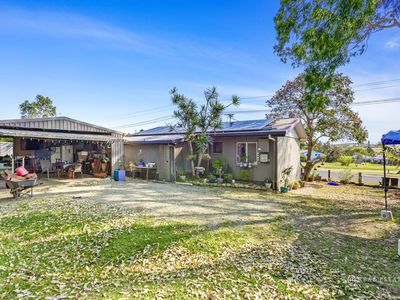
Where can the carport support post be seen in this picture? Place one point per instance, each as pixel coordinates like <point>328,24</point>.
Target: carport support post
<point>384,177</point>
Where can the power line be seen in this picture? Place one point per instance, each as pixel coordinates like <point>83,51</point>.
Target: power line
<point>165,118</point>
<point>377,82</point>
<point>254,99</point>
<point>147,122</point>
<point>143,111</point>
<point>377,101</point>
<point>359,103</point>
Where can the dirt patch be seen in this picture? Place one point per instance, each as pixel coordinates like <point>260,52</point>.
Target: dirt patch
<point>163,200</point>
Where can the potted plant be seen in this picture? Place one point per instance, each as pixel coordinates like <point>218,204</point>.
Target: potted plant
<point>311,178</point>
<point>285,179</point>
<point>211,178</point>
<point>243,161</point>
<point>295,186</point>
<point>317,177</point>
<point>228,177</point>
<point>182,175</point>
<point>268,183</point>
<point>218,166</point>
<point>302,183</point>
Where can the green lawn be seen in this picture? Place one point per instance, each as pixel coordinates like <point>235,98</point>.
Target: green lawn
<point>365,167</point>
<point>80,249</point>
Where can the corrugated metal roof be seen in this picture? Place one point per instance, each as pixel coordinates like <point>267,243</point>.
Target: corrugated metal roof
<point>249,125</point>
<point>57,135</point>
<point>155,139</point>
<point>54,123</point>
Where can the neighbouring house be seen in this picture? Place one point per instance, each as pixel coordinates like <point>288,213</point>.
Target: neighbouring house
<point>267,147</point>
<point>61,140</point>
<point>315,155</point>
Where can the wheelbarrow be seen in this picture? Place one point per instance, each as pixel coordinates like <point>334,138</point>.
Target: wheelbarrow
<point>19,187</point>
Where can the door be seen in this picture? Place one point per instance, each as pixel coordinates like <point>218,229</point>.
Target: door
<point>67,153</point>
<point>164,163</point>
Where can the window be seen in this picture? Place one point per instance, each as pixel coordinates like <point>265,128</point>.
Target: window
<point>217,147</point>
<point>246,152</point>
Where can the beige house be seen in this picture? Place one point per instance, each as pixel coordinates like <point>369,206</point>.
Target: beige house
<point>264,147</point>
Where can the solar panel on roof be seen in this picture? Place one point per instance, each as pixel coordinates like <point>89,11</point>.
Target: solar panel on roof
<point>226,126</point>
<point>245,125</point>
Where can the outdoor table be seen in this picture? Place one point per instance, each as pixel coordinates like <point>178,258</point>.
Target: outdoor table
<point>147,170</point>
<point>391,181</point>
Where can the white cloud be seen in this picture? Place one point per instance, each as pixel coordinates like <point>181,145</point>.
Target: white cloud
<point>393,44</point>
<point>62,25</point>
<point>59,24</point>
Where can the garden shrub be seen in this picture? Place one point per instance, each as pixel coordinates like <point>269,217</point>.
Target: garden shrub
<point>245,174</point>
<point>345,160</point>
<point>345,176</point>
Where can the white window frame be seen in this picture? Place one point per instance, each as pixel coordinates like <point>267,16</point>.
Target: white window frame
<point>247,152</point>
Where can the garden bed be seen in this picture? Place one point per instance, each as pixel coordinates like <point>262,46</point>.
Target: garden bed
<point>241,185</point>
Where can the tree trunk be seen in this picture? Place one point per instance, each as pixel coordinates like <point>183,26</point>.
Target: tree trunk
<point>191,158</point>
<point>199,159</point>
<point>309,163</point>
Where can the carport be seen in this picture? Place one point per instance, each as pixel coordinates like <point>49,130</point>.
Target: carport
<point>62,140</point>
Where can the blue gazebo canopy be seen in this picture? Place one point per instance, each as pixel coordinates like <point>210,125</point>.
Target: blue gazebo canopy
<point>391,138</point>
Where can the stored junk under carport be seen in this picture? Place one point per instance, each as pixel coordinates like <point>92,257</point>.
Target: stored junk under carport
<point>59,141</point>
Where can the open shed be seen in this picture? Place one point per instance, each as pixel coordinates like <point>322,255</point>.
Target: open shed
<point>61,140</point>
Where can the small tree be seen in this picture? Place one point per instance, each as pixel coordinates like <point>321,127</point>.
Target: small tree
<point>332,152</point>
<point>369,149</point>
<point>186,114</point>
<point>346,160</point>
<point>336,121</point>
<point>321,36</point>
<point>191,118</point>
<point>42,107</point>
<point>210,118</point>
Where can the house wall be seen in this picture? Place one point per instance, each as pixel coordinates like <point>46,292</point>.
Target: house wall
<point>157,153</point>
<point>181,163</point>
<point>261,171</point>
<point>288,155</point>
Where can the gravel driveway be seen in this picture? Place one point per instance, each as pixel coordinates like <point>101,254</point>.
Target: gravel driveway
<point>164,200</point>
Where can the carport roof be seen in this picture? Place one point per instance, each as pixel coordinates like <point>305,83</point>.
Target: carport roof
<point>57,135</point>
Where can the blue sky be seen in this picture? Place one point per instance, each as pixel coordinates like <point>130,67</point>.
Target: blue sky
<point>112,63</point>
